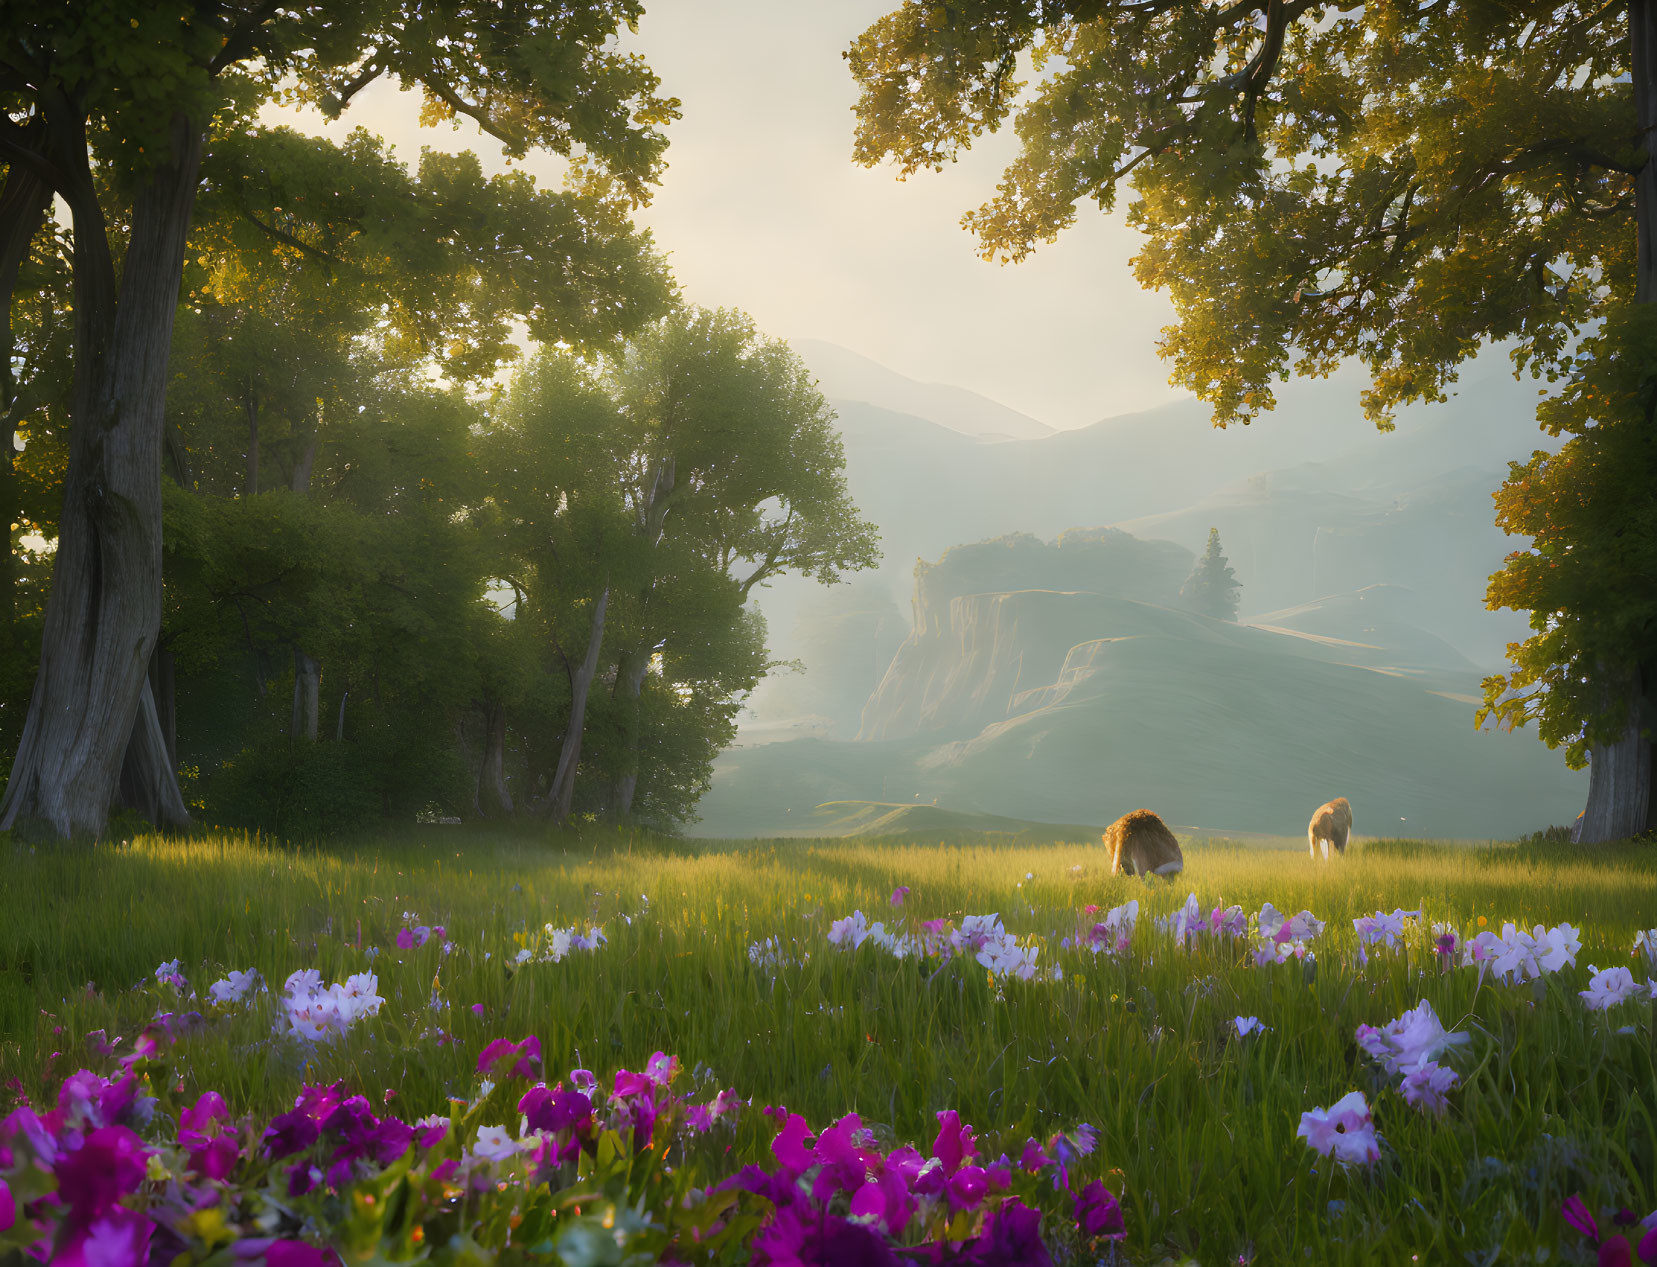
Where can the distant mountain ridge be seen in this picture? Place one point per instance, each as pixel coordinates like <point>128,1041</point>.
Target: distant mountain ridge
<point>844,375</point>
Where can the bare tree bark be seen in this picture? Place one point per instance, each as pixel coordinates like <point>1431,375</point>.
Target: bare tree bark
<point>307,687</point>
<point>493,798</point>
<point>630,675</point>
<point>1620,801</point>
<point>149,782</point>
<point>562,792</point>
<point>104,612</point>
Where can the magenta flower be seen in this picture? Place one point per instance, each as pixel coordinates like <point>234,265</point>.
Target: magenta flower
<point>294,1254</point>
<point>968,1187</point>
<point>661,1069</point>
<point>1098,1213</point>
<point>1033,1158</point>
<point>954,1143</point>
<point>899,893</point>
<point>790,1147</point>
<point>8,1207</point>
<point>105,1168</point>
<point>506,1059</point>
<point>1614,1250</point>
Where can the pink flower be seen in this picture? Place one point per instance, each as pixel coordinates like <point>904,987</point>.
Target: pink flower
<point>899,893</point>
<point>1344,1131</point>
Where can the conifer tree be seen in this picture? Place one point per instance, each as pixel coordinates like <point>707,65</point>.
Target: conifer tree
<point>1212,587</point>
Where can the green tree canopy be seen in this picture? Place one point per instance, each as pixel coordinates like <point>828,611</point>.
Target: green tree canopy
<point>109,107</point>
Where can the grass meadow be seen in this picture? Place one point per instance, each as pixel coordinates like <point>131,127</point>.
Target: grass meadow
<point>1196,1127</point>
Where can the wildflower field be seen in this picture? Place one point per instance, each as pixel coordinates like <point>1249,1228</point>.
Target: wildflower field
<point>465,1049</point>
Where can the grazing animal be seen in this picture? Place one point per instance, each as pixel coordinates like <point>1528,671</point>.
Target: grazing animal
<point>1331,825</point>
<point>1141,844</point>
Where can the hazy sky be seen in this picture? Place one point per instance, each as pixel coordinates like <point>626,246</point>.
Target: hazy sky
<point>763,209</point>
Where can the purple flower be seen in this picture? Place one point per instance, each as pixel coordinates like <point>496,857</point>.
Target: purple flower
<point>107,1166</point>
<point>899,893</point>
<point>1033,1158</point>
<point>290,1133</point>
<point>8,1207</point>
<point>294,1254</point>
<point>1098,1213</point>
<point>121,1238</point>
<point>1011,1238</point>
<point>886,1199</point>
<point>1427,1086</point>
<point>968,1187</point>
<point>1344,1131</point>
<point>554,1109</point>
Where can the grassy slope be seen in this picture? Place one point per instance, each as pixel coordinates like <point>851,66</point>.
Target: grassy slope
<point>1198,1127</point>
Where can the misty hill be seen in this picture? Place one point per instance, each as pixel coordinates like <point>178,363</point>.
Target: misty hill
<point>1310,501</point>
<point>1211,723</point>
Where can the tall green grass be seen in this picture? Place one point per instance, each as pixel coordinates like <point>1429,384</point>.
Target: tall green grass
<point>1197,1129</point>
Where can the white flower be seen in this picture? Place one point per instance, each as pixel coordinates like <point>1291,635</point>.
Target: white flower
<point>1645,942</point>
<point>236,987</point>
<point>494,1144</point>
<point>1556,948</point>
<point>849,931</point>
<point>305,981</point>
<point>1609,988</point>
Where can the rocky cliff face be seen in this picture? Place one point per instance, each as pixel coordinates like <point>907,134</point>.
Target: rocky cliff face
<point>996,620</point>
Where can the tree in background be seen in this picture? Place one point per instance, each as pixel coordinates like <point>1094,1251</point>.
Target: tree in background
<point>1379,181</point>
<point>639,505</point>
<point>1211,589</point>
<point>109,108</point>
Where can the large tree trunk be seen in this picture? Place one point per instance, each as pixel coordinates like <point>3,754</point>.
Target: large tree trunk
<point>23,202</point>
<point>149,781</point>
<point>1620,802</point>
<point>164,686</point>
<point>562,793</point>
<point>1619,777</point>
<point>307,687</point>
<point>104,612</point>
<point>630,675</point>
<point>493,799</point>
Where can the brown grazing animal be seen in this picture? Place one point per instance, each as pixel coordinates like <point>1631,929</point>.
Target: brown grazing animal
<point>1141,844</point>
<point>1331,825</point>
